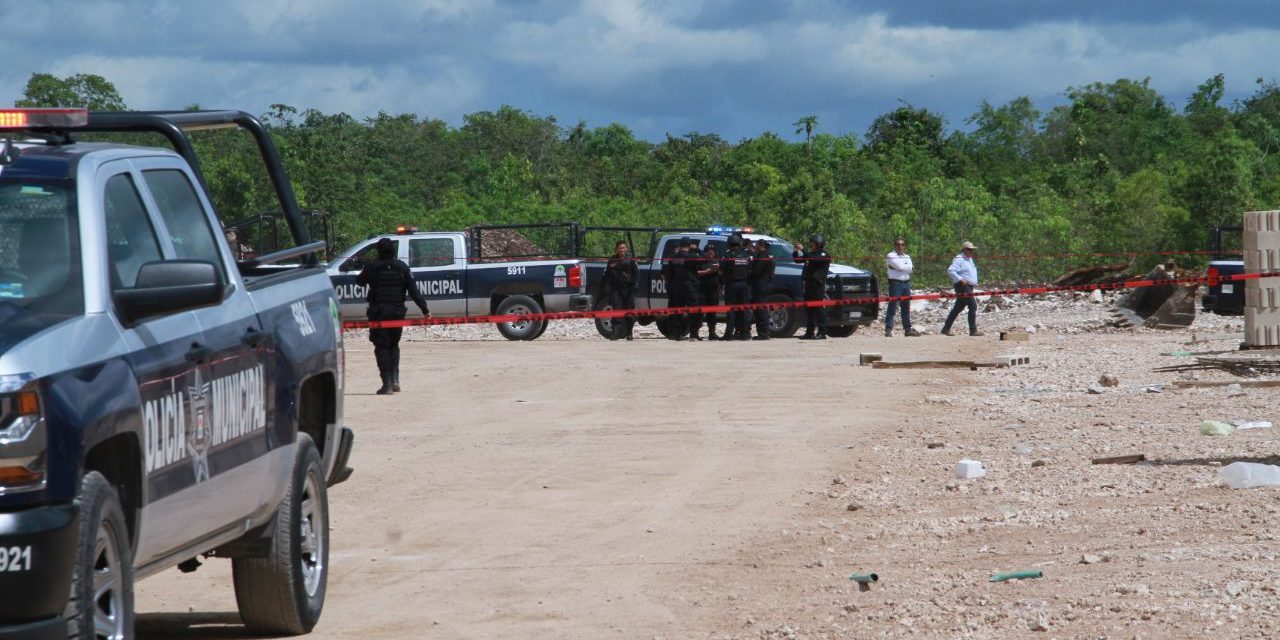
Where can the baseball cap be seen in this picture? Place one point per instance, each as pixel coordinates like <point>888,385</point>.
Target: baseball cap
<point>967,245</point>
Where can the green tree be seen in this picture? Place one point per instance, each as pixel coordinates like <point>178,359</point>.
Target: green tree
<point>79,90</point>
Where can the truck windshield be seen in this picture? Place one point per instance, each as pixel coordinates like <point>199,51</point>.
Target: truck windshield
<point>40,276</point>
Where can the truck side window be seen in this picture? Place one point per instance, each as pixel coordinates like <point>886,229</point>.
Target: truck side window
<point>185,219</point>
<point>430,252</point>
<point>131,240</point>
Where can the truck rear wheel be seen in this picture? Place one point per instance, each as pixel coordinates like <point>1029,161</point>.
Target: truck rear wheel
<point>101,604</point>
<point>841,330</point>
<point>784,322</point>
<point>282,592</point>
<point>521,329</point>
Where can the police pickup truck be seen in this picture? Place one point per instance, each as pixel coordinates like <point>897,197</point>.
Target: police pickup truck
<point>158,400</point>
<point>459,280</point>
<point>843,281</point>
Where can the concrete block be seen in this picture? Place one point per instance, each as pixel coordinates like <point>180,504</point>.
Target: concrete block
<point>868,358</point>
<point>1262,297</point>
<point>1011,361</point>
<point>1015,336</point>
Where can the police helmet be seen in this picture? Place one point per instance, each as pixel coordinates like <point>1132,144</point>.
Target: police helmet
<point>818,240</point>
<point>386,248</point>
<point>735,240</point>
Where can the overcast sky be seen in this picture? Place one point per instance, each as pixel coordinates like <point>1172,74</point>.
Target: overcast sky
<point>732,67</point>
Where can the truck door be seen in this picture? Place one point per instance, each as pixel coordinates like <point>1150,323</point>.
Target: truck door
<point>233,389</point>
<point>161,354</point>
<point>351,296</point>
<point>439,269</point>
<point>657,288</point>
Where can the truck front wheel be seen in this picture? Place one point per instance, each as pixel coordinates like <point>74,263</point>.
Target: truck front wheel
<point>520,329</point>
<point>282,592</point>
<point>101,604</point>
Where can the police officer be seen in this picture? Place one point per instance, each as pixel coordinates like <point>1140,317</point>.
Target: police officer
<point>709,287</point>
<point>673,276</point>
<point>760,280</point>
<point>736,269</point>
<point>388,280</point>
<point>816,263</point>
<point>619,285</point>
<point>692,292</point>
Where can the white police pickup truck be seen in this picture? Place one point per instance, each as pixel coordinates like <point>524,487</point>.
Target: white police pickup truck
<point>459,281</point>
<point>158,400</point>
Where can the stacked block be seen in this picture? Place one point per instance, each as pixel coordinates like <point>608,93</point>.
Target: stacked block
<point>1262,296</point>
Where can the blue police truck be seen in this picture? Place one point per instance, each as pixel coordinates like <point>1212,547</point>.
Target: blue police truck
<point>654,245</point>
<point>473,273</point>
<point>159,401</point>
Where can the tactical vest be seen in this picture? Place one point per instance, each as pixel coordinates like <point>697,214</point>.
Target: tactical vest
<point>387,286</point>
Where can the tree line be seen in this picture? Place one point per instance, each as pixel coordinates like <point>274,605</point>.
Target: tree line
<point>1117,167</point>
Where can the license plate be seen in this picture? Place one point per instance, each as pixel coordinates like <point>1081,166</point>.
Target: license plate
<point>560,283</point>
<point>854,314</point>
<point>1228,288</point>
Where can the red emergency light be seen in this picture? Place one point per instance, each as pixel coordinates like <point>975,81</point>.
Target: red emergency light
<point>405,230</point>
<point>43,118</point>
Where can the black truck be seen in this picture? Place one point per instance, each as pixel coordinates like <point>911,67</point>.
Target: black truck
<point>159,400</point>
<point>652,246</point>
<point>1226,298</point>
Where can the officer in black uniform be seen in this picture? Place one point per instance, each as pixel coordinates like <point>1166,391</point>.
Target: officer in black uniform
<point>709,287</point>
<point>736,268</point>
<point>388,280</point>
<point>817,263</point>
<point>760,280</point>
<point>692,292</point>
<point>673,274</point>
<point>619,286</point>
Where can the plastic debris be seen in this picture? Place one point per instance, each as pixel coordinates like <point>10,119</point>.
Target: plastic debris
<point>1247,475</point>
<point>1017,575</point>
<point>864,578</point>
<point>1215,428</point>
<point>1252,424</point>
<point>969,469</point>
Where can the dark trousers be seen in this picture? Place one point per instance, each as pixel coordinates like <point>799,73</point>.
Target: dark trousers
<point>709,296</point>
<point>386,342</point>
<point>737,292</point>
<point>692,298</point>
<point>676,299</point>
<point>622,327</point>
<point>968,301</point>
<point>815,317</point>
<point>760,291</point>
<point>898,288</point>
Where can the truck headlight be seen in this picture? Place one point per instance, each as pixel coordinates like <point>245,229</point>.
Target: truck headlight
<point>23,444</point>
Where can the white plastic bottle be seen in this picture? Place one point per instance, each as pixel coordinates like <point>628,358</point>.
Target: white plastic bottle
<point>1247,475</point>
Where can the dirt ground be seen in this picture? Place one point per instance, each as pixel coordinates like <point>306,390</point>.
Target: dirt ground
<point>578,488</point>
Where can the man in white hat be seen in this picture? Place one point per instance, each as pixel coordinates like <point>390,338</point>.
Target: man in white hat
<point>964,277</point>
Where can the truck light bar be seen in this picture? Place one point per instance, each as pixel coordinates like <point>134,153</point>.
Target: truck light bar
<point>43,118</point>
<point>405,230</point>
<point>718,230</point>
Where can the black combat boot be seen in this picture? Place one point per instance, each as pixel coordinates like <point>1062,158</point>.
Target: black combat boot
<point>386,388</point>
<point>395,382</point>
<point>822,335</point>
<point>395,370</point>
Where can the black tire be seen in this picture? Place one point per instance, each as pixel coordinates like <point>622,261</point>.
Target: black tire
<point>524,329</point>
<point>783,323</point>
<point>841,331</point>
<point>672,327</point>
<point>101,604</point>
<point>605,326</point>
<point>282,592</point>
<point>542,330</point>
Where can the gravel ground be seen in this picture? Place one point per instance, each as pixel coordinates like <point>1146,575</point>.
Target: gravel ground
<point>1158,549</point>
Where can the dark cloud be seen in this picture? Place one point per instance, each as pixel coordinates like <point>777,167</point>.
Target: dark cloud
<point>733,67</point>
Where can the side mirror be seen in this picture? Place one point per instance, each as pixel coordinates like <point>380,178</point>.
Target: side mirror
<point>170,286</point>
<point>351,264</point>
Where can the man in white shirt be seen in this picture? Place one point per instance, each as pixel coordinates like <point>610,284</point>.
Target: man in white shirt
<point>900,270</point>
<point>964,277</point>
